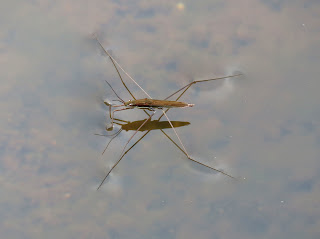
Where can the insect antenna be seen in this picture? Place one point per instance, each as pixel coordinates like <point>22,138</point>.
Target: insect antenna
<point>117,100</point>
<point>121,100</point>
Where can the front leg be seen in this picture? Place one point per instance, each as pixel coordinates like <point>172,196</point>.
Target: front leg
<point>129,108</point>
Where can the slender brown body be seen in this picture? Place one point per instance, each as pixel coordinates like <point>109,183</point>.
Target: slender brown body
<point>152,103</point>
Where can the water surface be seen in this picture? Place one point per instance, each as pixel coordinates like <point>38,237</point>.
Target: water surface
<point>263,127</point>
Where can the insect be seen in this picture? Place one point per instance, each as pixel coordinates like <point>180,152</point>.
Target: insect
<point>151,105</point>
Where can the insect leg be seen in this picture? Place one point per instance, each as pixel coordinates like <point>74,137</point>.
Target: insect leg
<point>188,154</point>
<point>176,133</point>
<point>113,136</point>
<point>108,135</point>
<point>123,153</point>
<point>197,81</point>
<point>129,108</point>
<point>114,62</point>
<point>173,142</point>
<point>185,88</point>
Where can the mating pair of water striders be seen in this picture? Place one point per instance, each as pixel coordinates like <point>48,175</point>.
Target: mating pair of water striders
<point>150,105</point>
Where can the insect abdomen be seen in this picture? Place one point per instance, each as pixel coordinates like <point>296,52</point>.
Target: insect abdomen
<point>152,103</point>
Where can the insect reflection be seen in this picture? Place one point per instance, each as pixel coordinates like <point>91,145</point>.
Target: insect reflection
<point>148,126</point>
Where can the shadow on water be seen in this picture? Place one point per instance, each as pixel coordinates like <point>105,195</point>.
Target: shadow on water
<point>148,126</point>
<point>135,126</point>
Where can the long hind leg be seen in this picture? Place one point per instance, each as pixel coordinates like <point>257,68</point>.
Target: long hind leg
<point>186,153</point>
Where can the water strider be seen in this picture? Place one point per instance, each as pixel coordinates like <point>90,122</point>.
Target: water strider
<point>151,104</point>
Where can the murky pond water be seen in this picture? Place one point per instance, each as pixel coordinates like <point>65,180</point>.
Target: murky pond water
<point>263,127</point>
